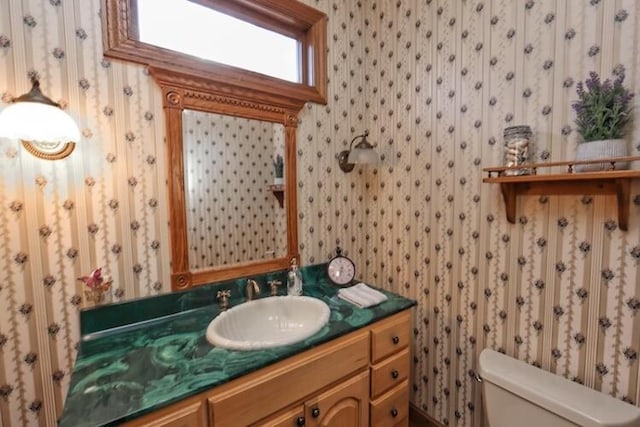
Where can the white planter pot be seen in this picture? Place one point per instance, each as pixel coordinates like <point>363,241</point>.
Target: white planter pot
<point>278,181</point>
<point>605,148</point>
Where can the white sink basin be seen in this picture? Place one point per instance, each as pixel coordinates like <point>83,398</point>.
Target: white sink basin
<point>268,322</point>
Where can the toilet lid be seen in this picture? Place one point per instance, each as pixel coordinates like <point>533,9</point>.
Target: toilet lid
<point>575,402</point>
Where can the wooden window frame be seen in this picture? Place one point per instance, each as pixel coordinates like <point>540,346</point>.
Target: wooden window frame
<point>287,17</point>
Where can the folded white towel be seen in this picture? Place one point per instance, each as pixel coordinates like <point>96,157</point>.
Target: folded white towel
<point>362,295</point>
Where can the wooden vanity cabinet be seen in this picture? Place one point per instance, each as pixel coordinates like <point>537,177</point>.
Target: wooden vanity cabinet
<point>360,379</point>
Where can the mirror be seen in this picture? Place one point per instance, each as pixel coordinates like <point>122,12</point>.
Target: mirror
<point>248,132</point>
<point>233,213</point>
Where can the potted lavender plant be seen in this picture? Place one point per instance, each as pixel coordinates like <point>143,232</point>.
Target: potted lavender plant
<point>603,110</point>
<point>278,165</point>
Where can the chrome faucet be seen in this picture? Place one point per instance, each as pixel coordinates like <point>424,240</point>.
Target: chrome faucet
<point>253,289</point>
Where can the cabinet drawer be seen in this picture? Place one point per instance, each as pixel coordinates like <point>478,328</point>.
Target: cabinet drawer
<point>389,373</point>
<point>389,337</point>
<point>178,415</point>
<point>266,392</point>
<point>391,409</point>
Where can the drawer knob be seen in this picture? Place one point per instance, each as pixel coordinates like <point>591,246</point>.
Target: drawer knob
<point>395,339</point>
<point>315,412</point>
<point>395,374</point>
<point>300,421</point>
<point>394,412</point>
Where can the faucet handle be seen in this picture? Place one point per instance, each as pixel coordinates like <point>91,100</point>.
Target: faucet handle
<point>273,285</point>
<point>223,298</point>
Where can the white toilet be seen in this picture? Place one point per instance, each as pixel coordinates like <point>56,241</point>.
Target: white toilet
<point>518,394</point>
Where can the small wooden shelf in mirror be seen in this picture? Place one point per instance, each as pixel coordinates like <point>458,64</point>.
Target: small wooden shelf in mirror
<point>278,192</point>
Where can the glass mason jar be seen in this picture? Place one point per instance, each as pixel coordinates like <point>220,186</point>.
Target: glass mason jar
<point>517,140</point>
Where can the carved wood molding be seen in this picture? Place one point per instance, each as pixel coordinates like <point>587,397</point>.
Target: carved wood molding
<point>181,280</point>
<point>291,120</point>
<point>243,103</point>
<point>173,99</point>
<point>202,89</point>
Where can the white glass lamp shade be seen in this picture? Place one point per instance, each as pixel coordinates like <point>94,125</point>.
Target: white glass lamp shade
<point>363,152</point>
<point>38,122</point>
<point>45,130</point>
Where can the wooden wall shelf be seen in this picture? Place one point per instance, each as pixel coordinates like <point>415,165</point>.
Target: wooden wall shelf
<point>278,192</point>
<point>615,182</point>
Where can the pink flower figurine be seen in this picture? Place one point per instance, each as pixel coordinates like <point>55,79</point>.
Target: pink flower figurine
<point>93,280</point>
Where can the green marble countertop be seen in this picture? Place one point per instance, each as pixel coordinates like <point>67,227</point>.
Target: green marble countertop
<point>142,355</point>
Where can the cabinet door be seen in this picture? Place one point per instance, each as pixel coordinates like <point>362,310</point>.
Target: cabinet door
<point>345,405</point>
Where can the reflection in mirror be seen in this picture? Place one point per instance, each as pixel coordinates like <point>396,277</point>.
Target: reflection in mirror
<point>231,216</point>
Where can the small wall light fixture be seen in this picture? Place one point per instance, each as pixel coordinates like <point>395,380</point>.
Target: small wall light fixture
<point>45,129</point>
<point>363,152</point>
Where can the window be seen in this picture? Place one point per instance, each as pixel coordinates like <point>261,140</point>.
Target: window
<point>220,38</point>
<point>276,47</point>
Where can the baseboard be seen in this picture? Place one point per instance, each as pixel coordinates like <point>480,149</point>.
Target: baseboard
<point>418,415</point>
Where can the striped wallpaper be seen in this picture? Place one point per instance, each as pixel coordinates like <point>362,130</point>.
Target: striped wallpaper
<point>435,82</point>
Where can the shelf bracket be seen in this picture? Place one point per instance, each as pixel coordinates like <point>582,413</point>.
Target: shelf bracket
<point>509,194</point>
<point>623,188</point>
<point>278,192</point>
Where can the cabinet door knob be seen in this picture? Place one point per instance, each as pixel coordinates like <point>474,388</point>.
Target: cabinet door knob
<point>300,421</point>
<point>315,412</point>
<point>395,374</point>
<point>395,339</point>
<point>394,412</point>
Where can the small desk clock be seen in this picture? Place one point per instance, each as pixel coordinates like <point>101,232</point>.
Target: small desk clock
<point>340,269</point>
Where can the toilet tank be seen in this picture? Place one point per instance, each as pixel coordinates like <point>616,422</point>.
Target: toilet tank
<point>518,394</point>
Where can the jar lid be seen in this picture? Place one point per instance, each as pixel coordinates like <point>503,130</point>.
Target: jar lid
<point>520,129</point>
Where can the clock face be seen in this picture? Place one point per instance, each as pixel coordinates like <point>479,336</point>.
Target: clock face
<point>341,270</point>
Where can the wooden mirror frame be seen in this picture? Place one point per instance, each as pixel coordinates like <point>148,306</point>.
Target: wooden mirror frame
<point>184,91</point>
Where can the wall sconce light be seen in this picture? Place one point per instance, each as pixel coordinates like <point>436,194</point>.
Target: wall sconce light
<point>363,152</point>
<point>45,129</point>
